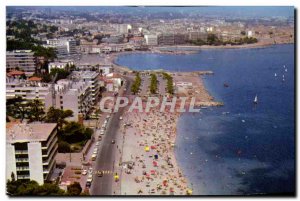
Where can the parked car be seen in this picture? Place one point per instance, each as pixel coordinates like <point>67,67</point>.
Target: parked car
<point>100,173</point>
<point>90,170</point>
<point>113,141</point>
<point>94,156</point>
<point>84,172</point>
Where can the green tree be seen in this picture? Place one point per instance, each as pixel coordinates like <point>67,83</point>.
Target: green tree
<point>153,83</point>
<point>74,189</point>
<point>36,110</point>
<point>170,88</point>
<point>64,147</point>
<point>32,188</point>
<point>74,132</point>
<point>136,84</point>
<point>58,116</point>
<point>61,73</point>
<point>17,108</point>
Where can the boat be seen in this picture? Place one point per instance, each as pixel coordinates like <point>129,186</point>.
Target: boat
<point>255,101</point>
<point>286,70</point>
<point>226,85</point>
<point>275,75</point>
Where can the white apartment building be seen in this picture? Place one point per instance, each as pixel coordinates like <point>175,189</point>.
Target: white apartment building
<point>23,59</point>
<point>64,46</point>
<point>28,90</point>
<point>61,64</point>
<point>122,28</point>
<point>92,78</point>
<point>72,95</point>
<point>151,40</point>
<point>31,150</point>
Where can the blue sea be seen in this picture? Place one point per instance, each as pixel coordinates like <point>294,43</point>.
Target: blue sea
<point>240,148</point>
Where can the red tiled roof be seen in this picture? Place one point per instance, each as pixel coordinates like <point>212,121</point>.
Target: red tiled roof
<point>34,78</point>
<point>15,72</point>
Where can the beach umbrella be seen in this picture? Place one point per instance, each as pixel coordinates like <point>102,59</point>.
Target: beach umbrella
<point>147,148</point>
<point>189,192</point>
<point>152,172</point>
<point>154,163</point>
<point>116,177</point>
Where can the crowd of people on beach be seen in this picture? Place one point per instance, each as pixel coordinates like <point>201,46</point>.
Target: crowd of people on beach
<point>154,170</point>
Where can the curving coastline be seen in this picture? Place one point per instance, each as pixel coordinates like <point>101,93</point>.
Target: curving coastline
<point>168,176</point>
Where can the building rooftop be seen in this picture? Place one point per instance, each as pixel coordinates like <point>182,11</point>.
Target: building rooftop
<point>23,132</point>
<point>34,78</point>
<point>15,72</point>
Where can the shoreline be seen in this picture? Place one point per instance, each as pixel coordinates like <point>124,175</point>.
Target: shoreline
<point>150,142</point>
<point>157,131</point>
<point>244,46</point>
<point>131,145</point>
<point>114,56</point>
<point>187,184</point>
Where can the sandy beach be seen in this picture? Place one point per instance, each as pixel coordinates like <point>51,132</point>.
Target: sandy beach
<point>149,143</point>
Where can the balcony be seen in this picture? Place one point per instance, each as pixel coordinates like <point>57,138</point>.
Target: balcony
<point>23,168</point>
<point>45,171</point>
<point>21,152</point>
<point>23,176</point>
<point>22,160</point>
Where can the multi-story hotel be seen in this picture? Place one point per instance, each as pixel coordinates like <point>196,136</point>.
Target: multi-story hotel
<point>92,78</point>
<point>29,89</point>
<point>22,59</point>
<point>71,95</point>
<point>31,150</point>
<point>63,46</point>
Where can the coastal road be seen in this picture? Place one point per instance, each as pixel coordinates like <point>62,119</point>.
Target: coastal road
<point>106,156</point>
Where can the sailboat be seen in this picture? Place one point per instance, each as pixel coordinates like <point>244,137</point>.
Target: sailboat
<point>255,101</point>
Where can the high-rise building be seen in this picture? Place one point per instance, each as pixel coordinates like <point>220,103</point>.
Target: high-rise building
<point>63,46</point>
<point>22,60</point>
<point>72,95</point>
<point>151,40</point>
<point>31,150</point>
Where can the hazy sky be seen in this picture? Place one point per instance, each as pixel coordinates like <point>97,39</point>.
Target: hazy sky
<point>240,11</point>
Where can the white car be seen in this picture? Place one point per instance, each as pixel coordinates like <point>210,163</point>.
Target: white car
<point>121,118</point>
<point>84,172</point>
<point>90,171</point>
<point>97,143</point>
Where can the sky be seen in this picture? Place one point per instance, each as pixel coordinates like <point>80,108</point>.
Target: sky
<point>222,11</point>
